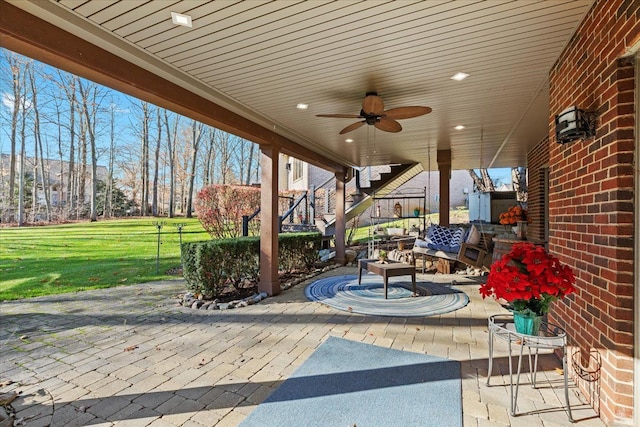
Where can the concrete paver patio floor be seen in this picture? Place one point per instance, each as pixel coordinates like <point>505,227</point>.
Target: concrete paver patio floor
<point>129,356</point>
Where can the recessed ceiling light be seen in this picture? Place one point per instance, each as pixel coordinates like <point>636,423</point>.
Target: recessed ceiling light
<point>459,127</point>
<point>302,106</point>
<point>181,19</point>
<point>459,76</point>
<point>349,140</point>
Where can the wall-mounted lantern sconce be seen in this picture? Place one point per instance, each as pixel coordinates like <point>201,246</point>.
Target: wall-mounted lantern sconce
<point>573,124</point>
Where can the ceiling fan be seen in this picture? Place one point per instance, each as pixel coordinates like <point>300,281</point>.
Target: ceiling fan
<point>373,113</point>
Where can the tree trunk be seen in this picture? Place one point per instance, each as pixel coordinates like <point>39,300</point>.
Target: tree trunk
<point>44,181</point>
<point>69,87</point>
<point>487,180</point>
<point>59,185</point>
<point>250,162</point>
<point>82,160</point>
<point>171,138</point>
<point>208,176</point>
<point>22,177</point>
<point>90,106</point>
<point>156,167</point>
<point>108,191</point>
<point>483,184</point>
<point>197,129</point>
<point>17,79</point>
<point>519,183</point>
<point>144,208</point>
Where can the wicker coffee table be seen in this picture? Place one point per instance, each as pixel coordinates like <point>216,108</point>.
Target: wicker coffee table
<point>386,270</point>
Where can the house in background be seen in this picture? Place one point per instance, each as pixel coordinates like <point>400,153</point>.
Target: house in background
<point>56,176</point>
<point>299,175</point>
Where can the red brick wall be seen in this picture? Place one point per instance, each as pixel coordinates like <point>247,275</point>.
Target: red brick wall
<point>591,197</point>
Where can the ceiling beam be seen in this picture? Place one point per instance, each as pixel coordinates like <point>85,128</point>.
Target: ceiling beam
<point>31,36</point>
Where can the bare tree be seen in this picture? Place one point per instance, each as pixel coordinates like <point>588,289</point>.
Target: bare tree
<point>57,119</point>
<point>484,184</point>
<point>23,143</point>
<point>81,176</point>
<point>195,155</point>
<point>208,172</point>
<point>183,158</point>
<point>172,135</point>
<point>91,99</point>
<point>17,67</point>
<point>108,193</point>
<point>68,85</point>
<point>519,182</point>
<point>197,130</point>
<point>252,148</point>
<point>44,173</point>
<point>244,153</point>
<point>146,118</point>
<point>156,166</point>
<point>226,145</point>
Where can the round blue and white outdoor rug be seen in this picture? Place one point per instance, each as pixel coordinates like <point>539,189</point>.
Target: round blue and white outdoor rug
<point>344,293</point>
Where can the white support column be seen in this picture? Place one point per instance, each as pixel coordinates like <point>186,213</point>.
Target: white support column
<point>269,281</point>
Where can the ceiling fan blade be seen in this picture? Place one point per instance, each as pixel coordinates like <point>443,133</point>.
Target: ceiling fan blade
<point>351,127</point>
<point>373,104</point>
<point>406,112</point>
<point>340,116</point>
<point>388,125</point>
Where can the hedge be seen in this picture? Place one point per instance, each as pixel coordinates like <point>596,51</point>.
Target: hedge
<point>210,266</point>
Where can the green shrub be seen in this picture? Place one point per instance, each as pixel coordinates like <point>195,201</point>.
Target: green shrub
<point>210,266</point>
<point>298,250</point>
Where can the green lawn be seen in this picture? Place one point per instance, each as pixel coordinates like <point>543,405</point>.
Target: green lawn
<point>64,258</point>
<point>46,260</point>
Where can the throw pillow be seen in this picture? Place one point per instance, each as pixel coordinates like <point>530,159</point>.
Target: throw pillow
<point>457,237</point>
<point>474,236</point>
<point>439,236</point>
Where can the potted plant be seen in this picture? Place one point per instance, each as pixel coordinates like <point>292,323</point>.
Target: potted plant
<point>529,279</point>
<point>516,215</point>
<point>382,255</point>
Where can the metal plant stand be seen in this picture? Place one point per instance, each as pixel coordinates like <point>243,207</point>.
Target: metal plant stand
<point>550,337</point>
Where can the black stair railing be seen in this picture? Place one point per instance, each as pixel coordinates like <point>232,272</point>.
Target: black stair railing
<point>293,204</point>
<point>292,208</point>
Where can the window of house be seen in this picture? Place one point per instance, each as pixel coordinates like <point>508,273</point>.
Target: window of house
<point>297,169</point>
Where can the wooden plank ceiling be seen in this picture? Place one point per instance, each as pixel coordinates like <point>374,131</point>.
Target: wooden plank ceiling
<point>262,58</point>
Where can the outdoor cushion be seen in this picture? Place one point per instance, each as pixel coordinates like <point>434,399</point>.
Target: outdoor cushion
<point>473,237</point>
<point>444,238</point>
<point>421,243</point>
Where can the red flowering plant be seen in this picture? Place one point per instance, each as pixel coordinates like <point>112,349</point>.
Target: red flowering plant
<point>513,215</point>
<point>529,279</point>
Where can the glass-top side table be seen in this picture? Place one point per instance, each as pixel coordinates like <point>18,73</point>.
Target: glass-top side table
<point>550,337</point>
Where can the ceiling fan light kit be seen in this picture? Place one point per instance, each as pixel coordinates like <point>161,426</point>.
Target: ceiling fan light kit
<point>374,114</point>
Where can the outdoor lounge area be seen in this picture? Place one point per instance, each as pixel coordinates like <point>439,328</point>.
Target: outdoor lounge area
<point>551,87</point>
<point>132,356</point>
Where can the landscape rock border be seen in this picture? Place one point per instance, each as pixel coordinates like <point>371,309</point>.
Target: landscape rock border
<point>197,302</point>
